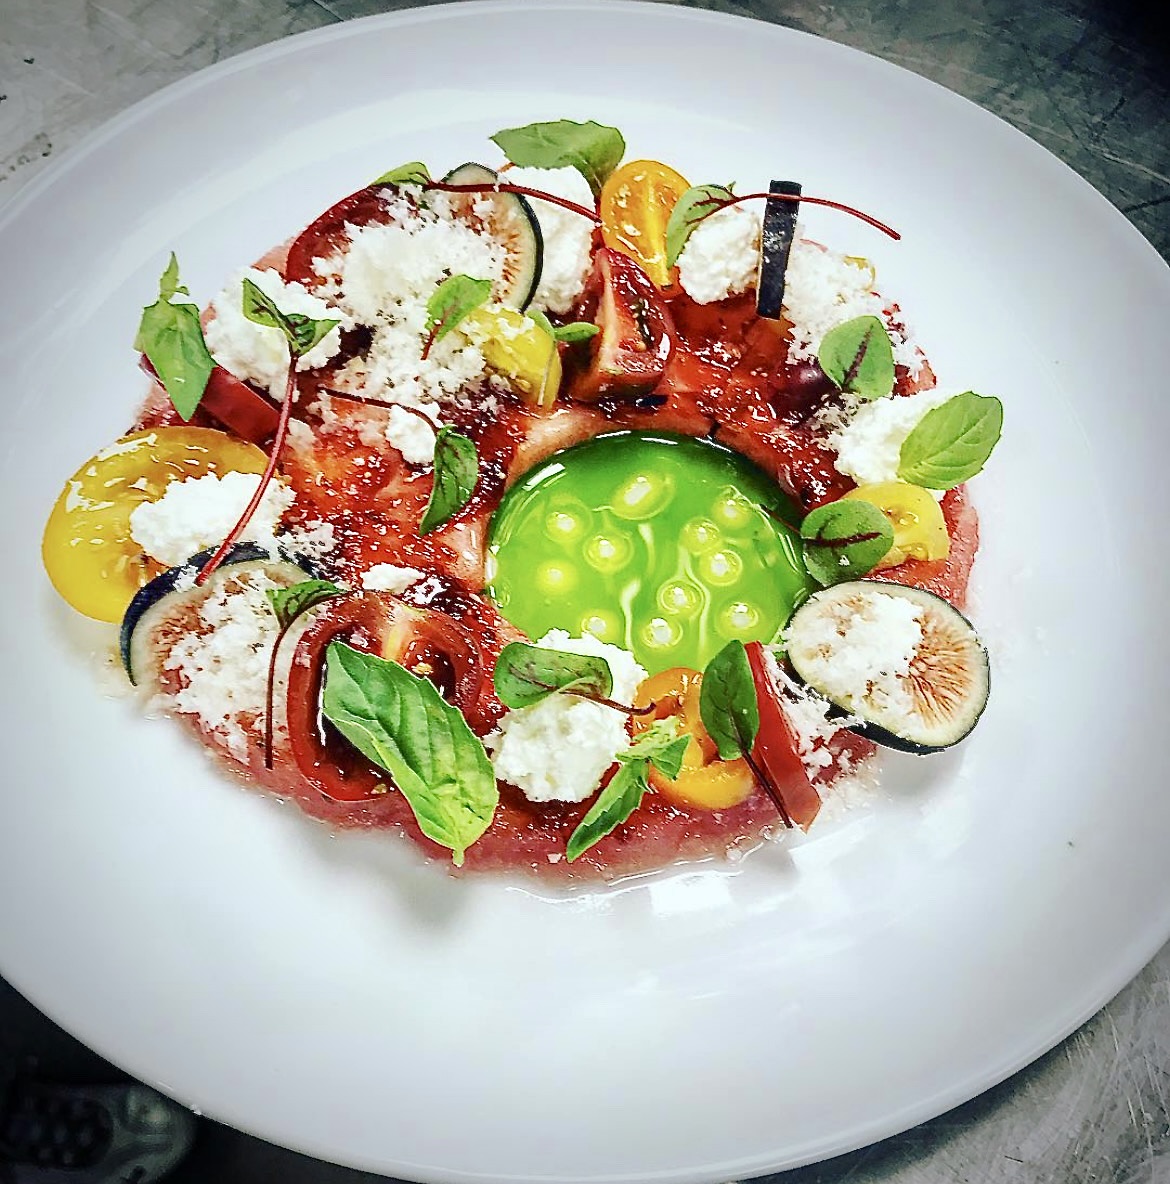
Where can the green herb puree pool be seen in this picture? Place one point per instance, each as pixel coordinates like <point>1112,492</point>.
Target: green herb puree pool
<point>665,545</point>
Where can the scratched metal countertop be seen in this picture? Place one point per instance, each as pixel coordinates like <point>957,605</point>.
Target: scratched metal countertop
<point>1088,79</point>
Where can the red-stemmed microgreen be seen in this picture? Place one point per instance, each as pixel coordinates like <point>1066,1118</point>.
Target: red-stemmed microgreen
<point>301,333</point>
<point>450,303</point>
<point>701,201</point>
<point>525,674</point>
<point>289,605</point>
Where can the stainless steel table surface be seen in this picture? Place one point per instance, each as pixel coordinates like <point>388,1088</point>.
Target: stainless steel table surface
<point>1088,79</point>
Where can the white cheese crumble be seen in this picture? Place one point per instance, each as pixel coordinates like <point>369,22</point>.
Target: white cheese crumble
<point>808,715</point>
<point>411,436</point>
<point>858,652</point>
<point>869,443</point>
<point>198,513</point>
<point>225,669</point>
<point>259,353</point>
<point>568,238</point>
<point>722,256</point>
<point>559,749</point>
<point>388,577</point>
<point>383,279</point>
<point>823,289</point>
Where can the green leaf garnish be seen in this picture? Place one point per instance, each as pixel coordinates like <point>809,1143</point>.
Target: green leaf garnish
<point>570,334</point>
<point>450,302</point>
<point>290,603</point>
<point>171,337</point>
<point>593,149</point>
<point>300,331</point>
<point>662,745</point>
<point>845,540</point>
<point>525,674</point>
<point>697,203</point>
<point>951,443</point>
<point>414,173</point>
<point>401,723</point>
<point>616,802</point>
<point>858,357</point>
<point>456,475</point>
<point>727,702</point>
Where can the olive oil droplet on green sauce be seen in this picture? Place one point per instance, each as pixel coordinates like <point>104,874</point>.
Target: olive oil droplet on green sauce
<point>665,545</point>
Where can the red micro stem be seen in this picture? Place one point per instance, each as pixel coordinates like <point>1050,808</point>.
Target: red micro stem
<point>522,190</point>
<point>269,471</point>
<point>815,201</point>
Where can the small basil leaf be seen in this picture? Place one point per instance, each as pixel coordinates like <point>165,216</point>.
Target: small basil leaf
<point>451,301</point>
<point>456,475</point>
<point>951,443</point>
<point>858,357</point>
<point>301,332</point>
<point>845,540</point>
<point>660,744</point>
<point>525,674</point>
<point>290,603</point>
<point>402,724</point>
<point>171,337</point>
<point>727,702</point>
<point>616,802</point>
<point>593,149</point>
<point>414,173</point>
<point>697,203</point>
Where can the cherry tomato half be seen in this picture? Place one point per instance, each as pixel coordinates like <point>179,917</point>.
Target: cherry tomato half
<point>920,531</point>
<point>87,548</point>
<point>704,780</point>
<point>636,203</point>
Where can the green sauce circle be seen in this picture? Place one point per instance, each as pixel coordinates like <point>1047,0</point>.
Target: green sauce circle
<point>665,545</point>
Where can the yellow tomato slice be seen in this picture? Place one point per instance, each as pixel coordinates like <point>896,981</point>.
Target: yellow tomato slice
<point>87,549</point>
<point>635,207</point>
<point>521,350</point>
<point>920,531</point>
<point>704,781</point>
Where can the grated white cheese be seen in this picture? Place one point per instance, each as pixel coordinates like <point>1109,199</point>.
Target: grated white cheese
<point>198,513</point>
<point>411,436</point>
<point>559,749</point>
<point>722,256</point>
<point>258,353</point>
<point>823,289</point>
<point>224,670</point>
<point>387,577</point>
<point>568,238</point>
<point>869,443</point>
<point>858,651</point>
<point>808,714</point>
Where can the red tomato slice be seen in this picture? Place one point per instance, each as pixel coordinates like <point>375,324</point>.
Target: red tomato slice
<point>328,233</point>
<point>775,749</point>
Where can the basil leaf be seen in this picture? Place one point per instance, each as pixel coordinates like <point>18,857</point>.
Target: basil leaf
<point>402,724</point>
<point>456,475</point>
<point>727,702</point>
<point>525,674</point>
<point>575,331</point>
<point>451,301</point>
<point>660,744</point>
<point>951,443</point>
<point>171,337</point>
<point>858,357</point>
<point>616,802</point>
<point>290,603</point>
<point>300,331</point>
<point>845,540</point>
<point>414,173</point>
<point>593,149</point>
<point>697,203</point>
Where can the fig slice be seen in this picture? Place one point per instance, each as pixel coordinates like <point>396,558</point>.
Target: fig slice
<point>510,220</point>
<point>902,661</point>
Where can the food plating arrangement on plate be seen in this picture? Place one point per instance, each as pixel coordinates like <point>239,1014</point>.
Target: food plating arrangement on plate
<point>562,515</point>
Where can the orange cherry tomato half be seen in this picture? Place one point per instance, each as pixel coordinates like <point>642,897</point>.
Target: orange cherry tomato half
<point>635,207</point>
<point>704,781</point>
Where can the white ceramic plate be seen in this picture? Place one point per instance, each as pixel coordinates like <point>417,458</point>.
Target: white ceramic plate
<point>335,995</point>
